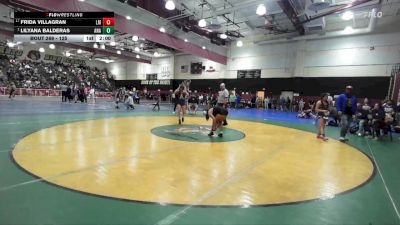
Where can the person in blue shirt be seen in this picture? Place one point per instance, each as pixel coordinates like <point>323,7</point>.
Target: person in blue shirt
<point>346,106</point>
<point>238,99</point>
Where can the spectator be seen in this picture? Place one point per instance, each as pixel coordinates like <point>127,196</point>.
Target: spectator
<point>362,115</point>
<point>282,103</point>
<point>288,104</point>
<point>238,100</point>
<point>232,100</point>
<point>389,109</point>
<point>301,105</point>
<point>129,103</point>
<point>31,74</point>
<point>13,89</point>
<point>267,101</point>
<point>64,92</point>
<point>193,103</point>
<point>69,91</point>
<point>378,120</point>
<point>92,96</point>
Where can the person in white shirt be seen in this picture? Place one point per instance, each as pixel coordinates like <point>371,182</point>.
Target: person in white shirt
<point>223,98</point>
<point>129,103</point>
<point>301,105</point>
<point>266,102</point>
<point>92,95</point>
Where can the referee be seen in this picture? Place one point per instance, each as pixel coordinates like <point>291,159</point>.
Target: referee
<point>223,98</point>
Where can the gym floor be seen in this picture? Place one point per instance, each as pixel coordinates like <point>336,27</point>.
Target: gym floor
<point>93,164</point>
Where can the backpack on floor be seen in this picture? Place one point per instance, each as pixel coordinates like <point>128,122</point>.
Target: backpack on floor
<point>333,123</point>
<point>353,127</point>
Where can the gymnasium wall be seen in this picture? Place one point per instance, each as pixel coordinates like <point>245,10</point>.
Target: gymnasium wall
<point>130,70</point>
<point>353,56</point>
<point>217,72</point>
<point>364,55</point>
<point>309,67</point>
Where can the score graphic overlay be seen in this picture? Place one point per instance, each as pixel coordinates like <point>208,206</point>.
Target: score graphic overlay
<point>64,26</point>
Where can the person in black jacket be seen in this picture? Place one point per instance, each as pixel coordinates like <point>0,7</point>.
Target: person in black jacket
<point>378,120</point>
<point>68,93</point>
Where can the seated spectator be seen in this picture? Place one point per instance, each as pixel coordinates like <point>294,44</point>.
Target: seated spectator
<point>389,109</point>
<point>378,120</point>
<point>193,103</point>
<point>129,102</point>
<point>397,118</point>
<point>29,74</point>
<point>362,115</point>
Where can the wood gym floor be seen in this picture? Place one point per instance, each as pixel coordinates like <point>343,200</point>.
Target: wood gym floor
<point>80,164</point>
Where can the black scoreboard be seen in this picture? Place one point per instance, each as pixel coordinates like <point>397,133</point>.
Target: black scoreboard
<point>64,27</point>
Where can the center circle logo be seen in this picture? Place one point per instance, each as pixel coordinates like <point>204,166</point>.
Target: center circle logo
<point>196,133</point>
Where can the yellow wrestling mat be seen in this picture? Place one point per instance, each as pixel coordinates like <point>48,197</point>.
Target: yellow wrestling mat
<point>146,159</point>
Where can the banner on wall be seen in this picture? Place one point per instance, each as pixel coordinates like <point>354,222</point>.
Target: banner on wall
<point>155,82</point>
<point>33,55</point>
<point>151,76</point>
<point>165,73</point>
<point>4,50</point>
<point>185,69</point>
<point>210,69</point>
<point>36,55</point>
<point>196,68</point>
<point>61,59</point>
<point>248,74</point>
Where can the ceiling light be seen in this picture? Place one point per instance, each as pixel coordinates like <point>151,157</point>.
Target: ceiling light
<point>79,51</point>
<point>223,36</point>
<point>348,15</point>
<point>348,30</point>
<point>119,52</point>
<point>81,0</point>
<point>52,46</point>
<point>135,38</point>
<point>239,43</point>
<point>202,23</point>
<point>10,44</point>
<point>102,46</point>
<point>32,42</point>
<point>204,47</point>
<point>261,10</point>
<point>112,43</point>
<point>186,40</point>
<point>67,54</point>
<point>128,17</point>
<point>137,49</point>
<point>170,5</point>
<point>156,54</point>
<point>162,29</point>
<point>138,56</point>
<point>142,45</point>
<point>41,49</point>
<point>95,45</point>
